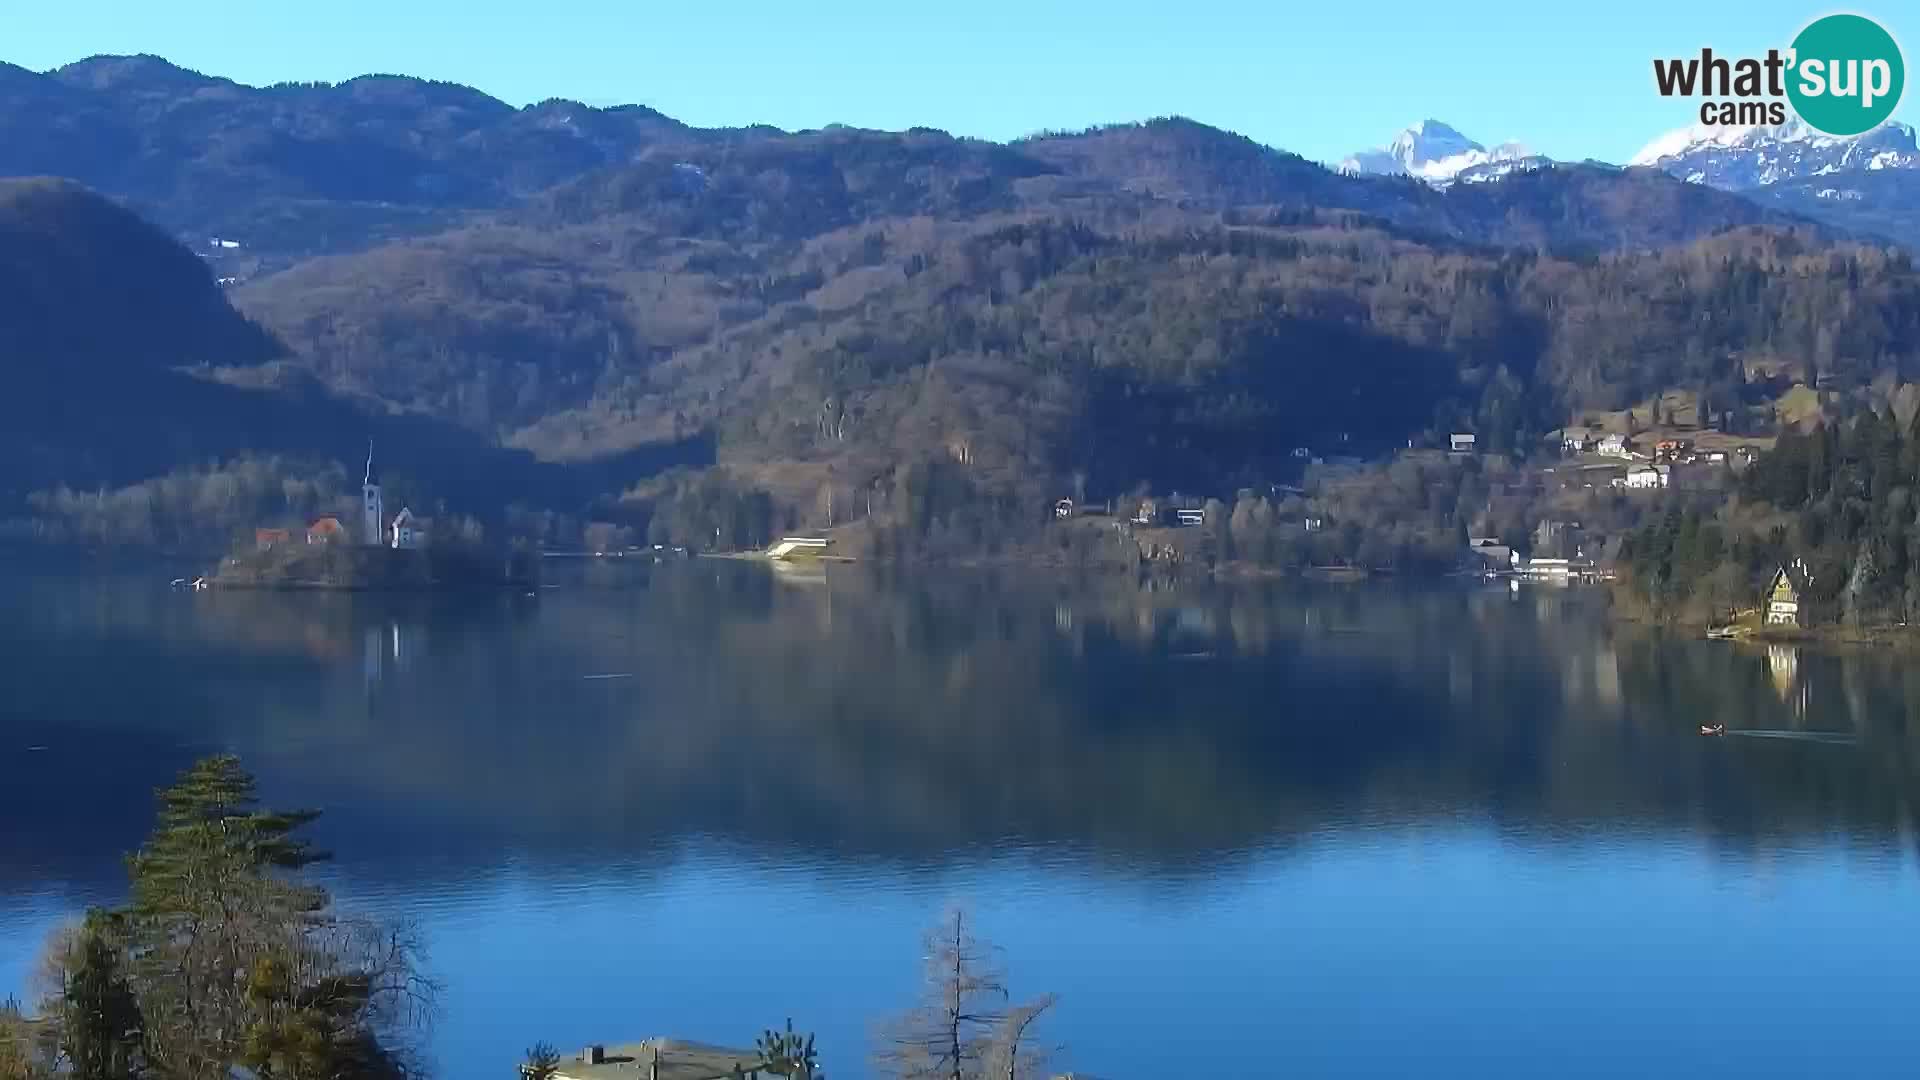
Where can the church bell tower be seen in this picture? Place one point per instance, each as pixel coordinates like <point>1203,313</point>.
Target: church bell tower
<point>372,511</point>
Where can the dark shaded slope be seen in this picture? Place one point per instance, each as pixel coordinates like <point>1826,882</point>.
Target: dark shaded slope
<point>83,279</point>
<point>103,318</point>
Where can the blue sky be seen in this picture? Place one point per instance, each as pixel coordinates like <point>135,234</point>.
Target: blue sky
<point>1571,80</point>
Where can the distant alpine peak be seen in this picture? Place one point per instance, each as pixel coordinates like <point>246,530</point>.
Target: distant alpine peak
<point>1431,139</point>
<point>1737,157</point>
<point>1439,154</point>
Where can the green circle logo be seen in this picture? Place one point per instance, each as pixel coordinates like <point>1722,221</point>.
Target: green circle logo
<point>1847,74</point>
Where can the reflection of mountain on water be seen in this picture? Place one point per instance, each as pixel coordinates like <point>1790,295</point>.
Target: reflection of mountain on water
<point>1149,733</point>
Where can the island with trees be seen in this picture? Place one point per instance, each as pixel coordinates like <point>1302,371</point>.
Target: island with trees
<point>355,567</point>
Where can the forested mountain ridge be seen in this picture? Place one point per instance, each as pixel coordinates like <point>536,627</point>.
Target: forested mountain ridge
<point>648,337</point>
<point>659,272</point>
<point>582,282</point>
<point>294,170</point>
<point>1199,360</point>
<point>1161,303</point>
<point>299,168</point>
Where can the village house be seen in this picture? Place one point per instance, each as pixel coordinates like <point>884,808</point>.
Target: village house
<point>1461,443</point>
<point>1576,442</point>
<point>326,530</point>
<point>268,539</point>
<point>1615,445</point>
<point>1645,477</point>
<point>1178,509</point>
<point>1063,508</point>
<point>1671,449</point>
<point>1783,595</point>
<point>1494,556</point>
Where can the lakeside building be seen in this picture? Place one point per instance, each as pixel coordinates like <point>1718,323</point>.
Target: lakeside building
<point>798,547</point>
<point>1783,595</point>
<point>1495,557</point>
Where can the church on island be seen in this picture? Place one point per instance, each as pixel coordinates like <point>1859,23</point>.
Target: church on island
<point>373,529</point>
<point>403,531</point>
<point>364,548</point>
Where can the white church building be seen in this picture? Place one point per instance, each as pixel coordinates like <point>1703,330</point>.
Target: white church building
<point>407,531</point>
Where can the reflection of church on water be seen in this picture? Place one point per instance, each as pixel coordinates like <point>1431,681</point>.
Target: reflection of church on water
<point>389,649</point>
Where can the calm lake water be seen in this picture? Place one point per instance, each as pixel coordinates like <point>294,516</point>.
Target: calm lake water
<point>1266,831</point>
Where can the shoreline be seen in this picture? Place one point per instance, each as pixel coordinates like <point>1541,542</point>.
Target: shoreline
<point>214,585</point>
<point>364,568</point>
<point>1897,636</point>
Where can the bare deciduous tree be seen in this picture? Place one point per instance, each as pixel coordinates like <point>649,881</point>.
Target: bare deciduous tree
<point>1013,1055</point>
<point>962,1029</point>
<point>949,1032</point>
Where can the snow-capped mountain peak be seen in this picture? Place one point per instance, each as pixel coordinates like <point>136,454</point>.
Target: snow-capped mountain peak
<point>1868,184</point>
<point>1429,141</point>
<point>1439,154</point>
<point>1740,158</point>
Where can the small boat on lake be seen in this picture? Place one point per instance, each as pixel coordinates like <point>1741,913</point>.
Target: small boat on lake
<point>1713,729</point>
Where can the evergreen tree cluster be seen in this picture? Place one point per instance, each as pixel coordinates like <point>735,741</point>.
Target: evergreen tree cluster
<point>1840,499</point>
<point>224,959</point>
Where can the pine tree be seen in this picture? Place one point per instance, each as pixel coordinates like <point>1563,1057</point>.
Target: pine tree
<point>542,1061</point>
<point>97,1017</point>
<point>237,963</point>
<point>202,904</point>
<point>209,819</point>
<point>786,1053</point>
